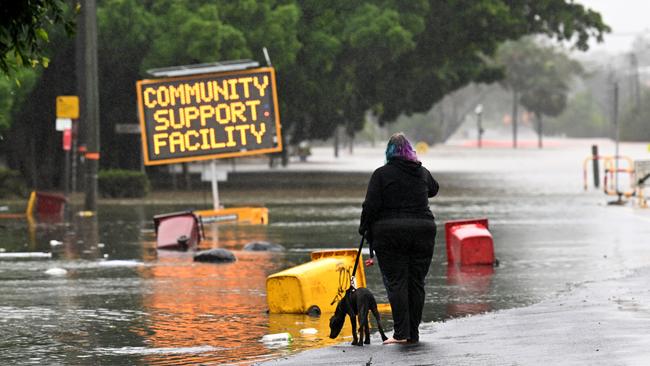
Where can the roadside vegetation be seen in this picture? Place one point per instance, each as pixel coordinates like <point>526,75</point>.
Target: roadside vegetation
<point>339,63</point>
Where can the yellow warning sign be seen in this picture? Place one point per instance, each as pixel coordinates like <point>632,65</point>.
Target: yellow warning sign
<point>67,106</point>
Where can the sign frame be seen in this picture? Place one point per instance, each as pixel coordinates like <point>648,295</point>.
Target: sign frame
<point>232,154</point>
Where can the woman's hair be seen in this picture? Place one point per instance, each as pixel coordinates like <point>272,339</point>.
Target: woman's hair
<point>400,147</point>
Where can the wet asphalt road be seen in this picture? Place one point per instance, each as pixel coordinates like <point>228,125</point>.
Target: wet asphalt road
<point>600,252</point>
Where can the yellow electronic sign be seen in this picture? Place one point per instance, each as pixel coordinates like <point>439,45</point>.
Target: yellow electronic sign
<point>67,106</point>
<point>209,116</point>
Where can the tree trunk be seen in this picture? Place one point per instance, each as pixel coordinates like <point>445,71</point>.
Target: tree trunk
<point>539,130</point>
<point>172,170</point>
<point>186,177</point>
<point>351,144</point>
<point>32,164</point>
<point>336,143</point>
<point>284,154</point>
<point>515,115</point>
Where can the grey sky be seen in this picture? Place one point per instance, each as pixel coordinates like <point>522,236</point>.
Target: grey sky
<point>627,18</point>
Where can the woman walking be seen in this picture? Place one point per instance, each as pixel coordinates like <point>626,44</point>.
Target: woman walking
<point>400,228</point>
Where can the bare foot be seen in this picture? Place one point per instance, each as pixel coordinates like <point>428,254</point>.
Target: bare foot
<point>392,340</point>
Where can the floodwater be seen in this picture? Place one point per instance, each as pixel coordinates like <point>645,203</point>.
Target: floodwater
<point>107,296</point>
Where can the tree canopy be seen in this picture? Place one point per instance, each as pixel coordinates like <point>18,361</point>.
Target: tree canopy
<point>25,29</point>
<point>540,75</point>
<point>335,60</point>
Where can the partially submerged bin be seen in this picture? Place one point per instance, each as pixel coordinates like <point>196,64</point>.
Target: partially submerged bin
<point>313,286</point>
<point>49,205</point>
<point>469,242</point>
<point>178,230</point>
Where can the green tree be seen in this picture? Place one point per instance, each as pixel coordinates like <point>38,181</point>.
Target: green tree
<point>635,121</point>
<point>24,30</point>
<point>581,118</point>
<point>12,93</point>
<point>538,77</point>
<point>335,60</point>
<point>549,85</point>
<point>345,46</point>
<point>451,51</point>
<point>125,35</point>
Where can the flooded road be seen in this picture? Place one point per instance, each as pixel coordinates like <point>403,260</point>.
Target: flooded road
<point>106,296</point>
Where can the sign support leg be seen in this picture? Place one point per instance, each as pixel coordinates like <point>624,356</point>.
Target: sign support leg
<point>215,187</point>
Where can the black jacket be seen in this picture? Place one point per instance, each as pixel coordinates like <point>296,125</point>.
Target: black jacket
<point>399,189</point>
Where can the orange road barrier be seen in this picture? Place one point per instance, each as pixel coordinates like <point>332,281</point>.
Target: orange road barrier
<point>611,174</point>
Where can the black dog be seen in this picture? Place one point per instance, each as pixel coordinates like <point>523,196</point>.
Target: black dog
<point>356,304</point>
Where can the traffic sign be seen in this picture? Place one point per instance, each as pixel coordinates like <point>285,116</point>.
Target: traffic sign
<point>67,139</point>
<point>63,124</point>
<point>67,106</point>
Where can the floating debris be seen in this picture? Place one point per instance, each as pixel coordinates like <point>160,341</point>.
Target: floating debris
<point>20,255</point>
<point>56,272</point>
<point>218,255</point>
<point>263,246</point>
<point>277,338</point>
<point>120,263</point>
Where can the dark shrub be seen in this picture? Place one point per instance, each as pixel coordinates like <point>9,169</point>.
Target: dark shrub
<point>11,184</point>
<point>117,183</point>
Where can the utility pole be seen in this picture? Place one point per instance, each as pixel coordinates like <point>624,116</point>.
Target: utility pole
<point>90,97</point>
<point>479,126</point>
<point>515,115</point>
<point>80,139</point>
<point>616,126</point>
<point>635,83</point>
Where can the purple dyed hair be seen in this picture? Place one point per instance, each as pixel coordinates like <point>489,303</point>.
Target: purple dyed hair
<point>400,147</point>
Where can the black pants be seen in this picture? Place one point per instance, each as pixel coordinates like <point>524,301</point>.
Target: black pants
<point>404,248</point>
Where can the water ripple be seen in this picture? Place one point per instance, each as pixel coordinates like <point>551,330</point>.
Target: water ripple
<point>157,351</point>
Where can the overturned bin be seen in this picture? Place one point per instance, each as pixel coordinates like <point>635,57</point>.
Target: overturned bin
<point>469,242</point>
<point>178,230</point>
<point>314,287</point>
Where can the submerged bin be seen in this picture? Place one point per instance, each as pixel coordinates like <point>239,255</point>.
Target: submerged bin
<point>49,204</point>
<point>178,230</point>
<point>314,286</point>
<point>469,242</point>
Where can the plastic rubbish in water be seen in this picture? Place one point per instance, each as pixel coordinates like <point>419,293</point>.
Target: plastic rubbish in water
<point>277,338</point>
<point>308,331</point>
<point>56,272</point>
<point>119,263</point>
<point>23,255</point>
<point>55,243</point>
